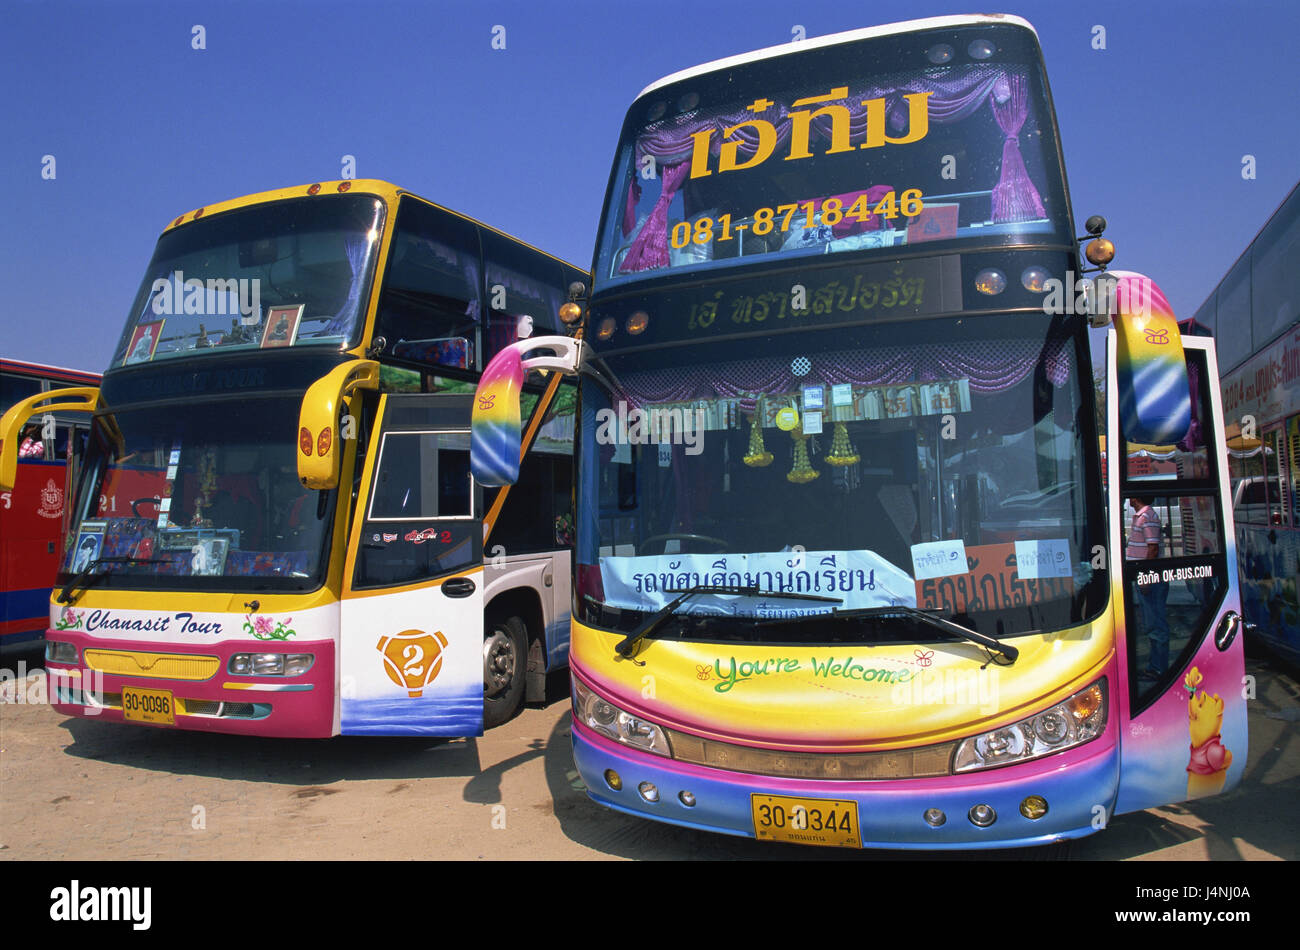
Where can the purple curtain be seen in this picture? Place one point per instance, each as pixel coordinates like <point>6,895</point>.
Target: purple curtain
<point>1014,197</point>
<point>358,250</point>
<point>469,268</point>
<point>992,366</point>
<point>629,210</point>
<point>650,249</point>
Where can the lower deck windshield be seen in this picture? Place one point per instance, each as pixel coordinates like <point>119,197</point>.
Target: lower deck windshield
<point>947,465</point>
<point>200,496</point>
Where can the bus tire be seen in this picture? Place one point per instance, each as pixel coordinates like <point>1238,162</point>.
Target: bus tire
<point>505,659</point>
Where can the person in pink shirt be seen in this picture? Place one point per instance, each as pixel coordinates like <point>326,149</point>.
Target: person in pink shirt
<point>1144,544</point>
<point>31,447</point>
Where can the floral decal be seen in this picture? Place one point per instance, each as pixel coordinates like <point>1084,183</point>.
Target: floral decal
<point>267,628</point>
<point>68,620</point>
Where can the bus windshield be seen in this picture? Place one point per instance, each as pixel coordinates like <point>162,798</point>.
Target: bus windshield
<point>284,273</point>
<point>937,464</point>
<point>207,498</point>
<point>852,148</point>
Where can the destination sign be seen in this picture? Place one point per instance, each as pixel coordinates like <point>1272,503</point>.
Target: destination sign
<point>824,296</point>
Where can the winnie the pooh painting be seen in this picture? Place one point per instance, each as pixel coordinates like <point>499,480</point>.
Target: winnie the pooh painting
<point>1208,767</point>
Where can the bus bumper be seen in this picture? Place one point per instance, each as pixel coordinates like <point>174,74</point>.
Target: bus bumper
<point>287,706</point>
<point>1079,786</point>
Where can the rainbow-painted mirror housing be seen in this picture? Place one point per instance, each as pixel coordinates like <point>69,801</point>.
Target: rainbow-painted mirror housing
<point>1155,403</point>
<point>494,439</point>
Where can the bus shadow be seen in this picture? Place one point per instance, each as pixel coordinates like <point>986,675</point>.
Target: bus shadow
<point>1257,819</point>
<point>296,762</point>
<point>614,833</point>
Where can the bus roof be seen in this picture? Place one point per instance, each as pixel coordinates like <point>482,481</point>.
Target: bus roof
<point>41,369</point>
<point>889,29</point>
<point>366,186</point>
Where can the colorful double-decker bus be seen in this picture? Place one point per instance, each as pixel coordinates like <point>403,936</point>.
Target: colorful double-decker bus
<point>1254,315</point>
<point>33,518</point>
<point>276,531</point>
<point>847,570</point>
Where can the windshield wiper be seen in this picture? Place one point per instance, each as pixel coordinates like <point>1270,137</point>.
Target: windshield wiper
<point>89,573</point>
<point>912,613</point>
<point>628,646</point>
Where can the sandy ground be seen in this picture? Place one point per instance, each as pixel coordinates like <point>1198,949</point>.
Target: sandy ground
<point>81,789</point>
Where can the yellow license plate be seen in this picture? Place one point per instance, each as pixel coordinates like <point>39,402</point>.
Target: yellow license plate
<point>821,821</point>
<point>149,705</point>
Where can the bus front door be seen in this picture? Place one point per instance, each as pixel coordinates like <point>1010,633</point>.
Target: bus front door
<point>1182,687</point>
<point>411,625</point>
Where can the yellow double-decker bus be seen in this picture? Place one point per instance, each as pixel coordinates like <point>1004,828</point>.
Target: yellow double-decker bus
<point>276,531</point>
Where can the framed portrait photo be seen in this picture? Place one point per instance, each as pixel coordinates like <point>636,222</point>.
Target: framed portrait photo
<point>209,557</point>
<point>144,342</point>
<point>90,541</point>
<point>281,326</point>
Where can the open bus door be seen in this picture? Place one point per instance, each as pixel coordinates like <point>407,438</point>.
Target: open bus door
<point>411,625</point>
<point>1181,692</point>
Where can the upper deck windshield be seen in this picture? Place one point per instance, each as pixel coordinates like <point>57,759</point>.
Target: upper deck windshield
<point>285,273</point>
<point>945,136</point>
<point>943,464</point>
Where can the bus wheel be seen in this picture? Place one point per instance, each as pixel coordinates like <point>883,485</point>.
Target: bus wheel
<point>505,653</point>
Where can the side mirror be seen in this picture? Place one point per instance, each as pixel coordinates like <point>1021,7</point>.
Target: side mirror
<point>1155,400</point>
<point>318,440</point>
<point>77,399</point>
<point>495,439</point>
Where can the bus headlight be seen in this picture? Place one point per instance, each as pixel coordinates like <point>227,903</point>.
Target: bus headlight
<point>270,664</point>
<point>600,715</point>
<point>56,652</point>
<point>296,664</point>
<point>1077,720</point>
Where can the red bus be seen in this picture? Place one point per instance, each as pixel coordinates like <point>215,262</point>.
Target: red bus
<point>32,515</point>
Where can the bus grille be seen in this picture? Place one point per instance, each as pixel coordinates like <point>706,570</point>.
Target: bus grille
<point>164,666</point>
<point>924,762</point>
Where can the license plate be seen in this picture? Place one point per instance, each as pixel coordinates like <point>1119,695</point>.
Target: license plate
<point>149,705</point>
<point>820,821</point>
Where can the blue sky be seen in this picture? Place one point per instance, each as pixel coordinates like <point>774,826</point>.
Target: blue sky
<point>142,127</point>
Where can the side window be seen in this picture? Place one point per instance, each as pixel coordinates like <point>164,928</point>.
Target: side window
<point>422,475</point>
<point>14,388</point>
<point>524,292</point>
<point>430,306</point>
<point>61,442</point>
<point>1275,280</point>
<point>419,520</point>
<point>538,512</point>
<point>1293,467</point>
<point>1273,479</point>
